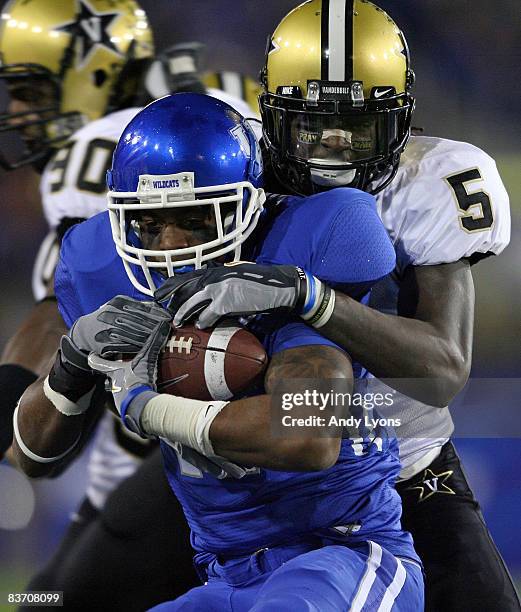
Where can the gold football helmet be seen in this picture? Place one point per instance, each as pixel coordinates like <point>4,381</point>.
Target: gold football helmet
<point>336,106</point>
<point>69,62</point>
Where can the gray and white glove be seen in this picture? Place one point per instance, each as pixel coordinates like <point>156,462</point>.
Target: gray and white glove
<point>121,326</point>
<point>133,383</point>
<point>235,290</point>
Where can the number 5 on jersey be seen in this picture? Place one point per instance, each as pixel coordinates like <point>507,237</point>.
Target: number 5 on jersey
<point>474,219</point>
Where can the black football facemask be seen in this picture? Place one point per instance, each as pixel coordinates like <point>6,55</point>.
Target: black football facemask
<point>333,144</point>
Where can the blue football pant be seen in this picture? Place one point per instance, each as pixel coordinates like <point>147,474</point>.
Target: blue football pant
<point>332,578</point>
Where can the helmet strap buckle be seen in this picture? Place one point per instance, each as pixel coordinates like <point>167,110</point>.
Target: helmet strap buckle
<point>313,93</point>
<point>357,93</point>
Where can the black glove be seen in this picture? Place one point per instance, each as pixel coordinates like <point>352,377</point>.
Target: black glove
<point>235,289</point>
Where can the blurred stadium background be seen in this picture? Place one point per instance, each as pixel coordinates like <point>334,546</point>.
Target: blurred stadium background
<point>467,58</point>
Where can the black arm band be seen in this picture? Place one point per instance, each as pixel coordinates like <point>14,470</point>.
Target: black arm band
<point>14,380</point>
<point>69,381</point>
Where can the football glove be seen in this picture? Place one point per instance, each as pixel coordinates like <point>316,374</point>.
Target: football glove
<point>133,383</point>
<point>121,326</point>
<point>237,290</point>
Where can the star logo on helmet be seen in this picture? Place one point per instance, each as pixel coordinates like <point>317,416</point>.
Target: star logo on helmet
<point>273,46</point>
<point>90,28</point>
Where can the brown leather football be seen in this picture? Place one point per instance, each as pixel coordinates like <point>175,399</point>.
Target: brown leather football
<point>215,363</point>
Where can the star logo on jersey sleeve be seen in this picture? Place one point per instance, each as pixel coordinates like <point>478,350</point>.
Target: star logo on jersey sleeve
<point>90,28</point>
<point>433,483</point>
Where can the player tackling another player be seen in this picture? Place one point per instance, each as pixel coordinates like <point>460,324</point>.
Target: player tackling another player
<point>210,160</point>
<point>359,144</point>
<point>336,110</point>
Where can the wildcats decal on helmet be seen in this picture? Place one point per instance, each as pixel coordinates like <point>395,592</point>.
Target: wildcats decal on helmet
<point>90,28</point>
<point>214,167</point>
<point>179,186</point>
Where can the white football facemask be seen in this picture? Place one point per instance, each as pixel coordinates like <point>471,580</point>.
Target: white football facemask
<point>174,191</point>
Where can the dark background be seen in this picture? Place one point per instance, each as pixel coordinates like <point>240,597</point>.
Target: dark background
<point>467,57</point>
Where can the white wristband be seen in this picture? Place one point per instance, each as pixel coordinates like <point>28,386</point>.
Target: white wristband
<point>29,453</point>
<point>182,420</point>
<point>64,405</point>
<point>327,312</point>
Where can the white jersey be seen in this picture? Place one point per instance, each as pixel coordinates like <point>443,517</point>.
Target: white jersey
<point>73,183</point>
<point>238,103</point>
<point>447,202</point>
<point>73,186</point>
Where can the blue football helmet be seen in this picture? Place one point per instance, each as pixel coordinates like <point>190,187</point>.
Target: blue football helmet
<point>184,150</point>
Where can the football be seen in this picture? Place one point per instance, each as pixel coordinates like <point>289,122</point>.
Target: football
<point>215,363</point>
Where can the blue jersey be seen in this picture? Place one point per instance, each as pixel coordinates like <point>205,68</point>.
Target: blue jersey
<point>354,500</point>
